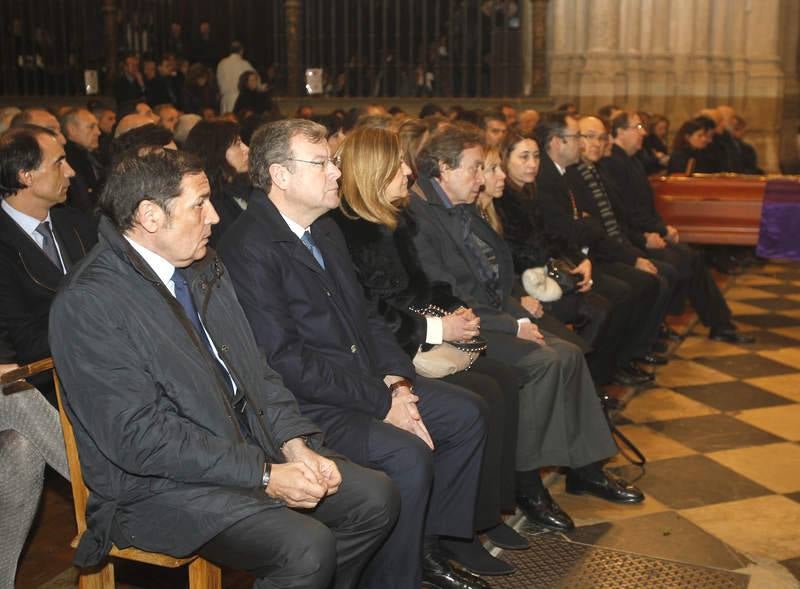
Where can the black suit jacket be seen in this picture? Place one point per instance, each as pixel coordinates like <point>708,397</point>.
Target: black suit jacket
<point>612,250</point>
<point>85,186</point>
<point>633,186</point>
<point>29,280</point>
<point>319,332</point>
<point>565,214</point>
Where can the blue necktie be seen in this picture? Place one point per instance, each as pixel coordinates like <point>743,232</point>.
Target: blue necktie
<point>184,297</point>
<point>308,241</point>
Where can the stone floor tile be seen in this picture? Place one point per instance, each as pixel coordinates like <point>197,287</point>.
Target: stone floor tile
<point>659,404</point>
<point>782,421</point>
<point>776,466</point>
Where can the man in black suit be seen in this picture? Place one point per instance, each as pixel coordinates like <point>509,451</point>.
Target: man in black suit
<point>637,308</point>
<point>296,282</point>
<point>189,441</point>
<point>83,139</point>
<point>662,240</point>
<point>39,241</point>
<point>129,86</point>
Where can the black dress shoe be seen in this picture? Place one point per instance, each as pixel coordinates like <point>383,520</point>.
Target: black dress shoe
<point>628,378</point>
<point>731,336</point>
<point>609,488</point>
<point>472,556</point>
<point>653,359</point>
<point>542,510</point>
<point>666,332</point>
<point>505,537</point>
<point>608,402</point>
<point>437,573</point>
<point>634,368</point>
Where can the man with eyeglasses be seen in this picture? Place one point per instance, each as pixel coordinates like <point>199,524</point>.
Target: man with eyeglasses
<point>626,336</point>
<point>294,278</point>
<point>662,241</point>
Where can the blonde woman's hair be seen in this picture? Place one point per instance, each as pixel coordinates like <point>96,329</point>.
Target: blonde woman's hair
<point>486,205</point>
<point>370,158</point>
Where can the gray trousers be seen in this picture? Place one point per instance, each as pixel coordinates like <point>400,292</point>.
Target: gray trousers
<point>30,437</point>
<point>561,421</point>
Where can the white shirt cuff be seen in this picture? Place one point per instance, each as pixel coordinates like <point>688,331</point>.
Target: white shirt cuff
<point>520,322</point>
<point>435,331</point>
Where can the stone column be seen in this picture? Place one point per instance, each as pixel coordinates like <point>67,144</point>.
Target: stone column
<point>536,21</point>
<point>109,9</point>
<point>602,72</point>
<point>294,74</point>
<point>657,63</point>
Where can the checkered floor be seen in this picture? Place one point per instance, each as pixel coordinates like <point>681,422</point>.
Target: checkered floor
<point>721,431</point>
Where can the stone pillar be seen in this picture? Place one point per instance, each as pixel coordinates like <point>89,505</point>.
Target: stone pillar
<point>789,151</point>
<point>538,77</point>
<point>657,64</point>
<point>294,73</point>
<point>602,73</point>
<point>109,9</point>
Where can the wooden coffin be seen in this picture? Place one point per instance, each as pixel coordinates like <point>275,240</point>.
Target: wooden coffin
<point>712,208</point>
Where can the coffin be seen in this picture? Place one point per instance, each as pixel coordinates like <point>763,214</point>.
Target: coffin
<point>712,208</point>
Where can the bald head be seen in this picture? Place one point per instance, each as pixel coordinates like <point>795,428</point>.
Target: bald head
<point>594,138</point>
<point>132,121</point>
<point>728,114</point>
<point>527,121</point>
<point>40,118</point>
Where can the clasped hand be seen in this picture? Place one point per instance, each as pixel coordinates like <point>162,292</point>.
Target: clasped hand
<point>404,414</point>
<point>461,325</point>
<point>305,478</point>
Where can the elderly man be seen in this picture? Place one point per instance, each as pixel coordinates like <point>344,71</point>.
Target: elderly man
<point>662,240</point>
<point>188,439</point>
<point>83,139</point>
<point>297,284</point>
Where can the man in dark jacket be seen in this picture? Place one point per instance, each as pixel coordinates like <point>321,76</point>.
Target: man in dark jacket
<point>561,421</point>
<point>83,139</point>
<point>634,318</point>
<point>662,240</point>
<point>39,241</point>
<point>188,440</point>
<point>297,285</point>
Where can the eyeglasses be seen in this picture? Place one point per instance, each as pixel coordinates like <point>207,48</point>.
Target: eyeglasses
<point>570,136</point>
<point>333,162</point>
<point>639,127</point>
<point>601,138</point>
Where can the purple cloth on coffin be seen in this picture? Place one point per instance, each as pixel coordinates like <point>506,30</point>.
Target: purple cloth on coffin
<point>779,235</point>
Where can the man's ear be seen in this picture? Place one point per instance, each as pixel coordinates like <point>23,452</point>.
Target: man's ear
<point>444,171</point>
<point>149,216</point>
<point>279,176</point>
<point>25,178</point>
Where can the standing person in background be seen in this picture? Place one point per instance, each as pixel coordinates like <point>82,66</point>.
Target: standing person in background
<point>229,71</point>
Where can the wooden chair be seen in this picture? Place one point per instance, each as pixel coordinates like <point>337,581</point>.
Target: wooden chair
<point>202,573</point>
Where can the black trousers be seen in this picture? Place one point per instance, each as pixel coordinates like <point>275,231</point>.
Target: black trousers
<point>327,546</point>
<point>437,488</point>
<point>498,384</point>
<point>643,298</point>
<point>696,283</point>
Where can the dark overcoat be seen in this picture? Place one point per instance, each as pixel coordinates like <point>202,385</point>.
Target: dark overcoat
<point>161,450</point>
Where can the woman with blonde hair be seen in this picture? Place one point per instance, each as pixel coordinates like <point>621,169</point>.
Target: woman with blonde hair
<point>379,234</point>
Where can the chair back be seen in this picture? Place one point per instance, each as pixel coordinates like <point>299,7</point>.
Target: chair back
<point>80,493</point>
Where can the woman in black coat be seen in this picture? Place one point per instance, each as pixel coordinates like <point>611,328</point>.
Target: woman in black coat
<point>251,98</point>
<point>379,236</point>
<point>689,149</point>
<point>224,157</point>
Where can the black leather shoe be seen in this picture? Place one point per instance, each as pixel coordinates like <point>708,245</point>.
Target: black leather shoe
<point>610,488</point>
<point>545,512</point>
<point>666,332</point>
<point>731,336</point>
<point>634,368</point>
<point>472,556</point>
<point>438,574</point>
<point>505,537</point>
<point>653,359</point>
<point>608,402</point>
<point>628,378</point>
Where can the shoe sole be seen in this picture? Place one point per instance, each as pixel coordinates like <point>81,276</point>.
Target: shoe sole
<point>619,502</point>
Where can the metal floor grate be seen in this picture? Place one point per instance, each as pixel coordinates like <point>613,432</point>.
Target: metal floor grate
<point>553,562</point>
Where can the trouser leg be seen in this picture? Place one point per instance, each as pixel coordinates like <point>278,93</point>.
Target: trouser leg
<point>324,547</point>
<point>21,479</point>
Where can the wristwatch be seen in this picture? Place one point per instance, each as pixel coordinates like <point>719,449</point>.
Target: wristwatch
<point>265,476</point>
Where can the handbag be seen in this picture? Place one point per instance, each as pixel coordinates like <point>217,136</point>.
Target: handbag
<point>448,357</point>
<point>559,270</point>
<point>540,286</point>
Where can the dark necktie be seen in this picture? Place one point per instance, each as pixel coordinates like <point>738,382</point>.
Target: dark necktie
<point>49,244</point>
<point>308,241</point>
<point>184,297</point>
